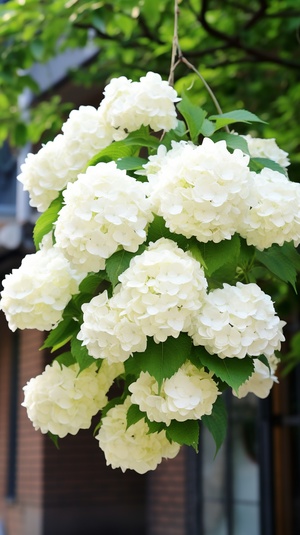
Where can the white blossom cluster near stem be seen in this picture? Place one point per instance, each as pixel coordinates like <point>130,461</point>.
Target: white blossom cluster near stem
<point>162,318</point>
<point>107,332</point>
<point>200,190</point>
<point>161,289</point>
<point>104,209</point>
<point>236,321</point>
<point>158,293</point>
<point>35,295</point>
<point>62,400</point>
<point>272,211</point>
<point>129,105</point>
<point>188,395</point>
<point>132,447</point>
<point>267,148</point>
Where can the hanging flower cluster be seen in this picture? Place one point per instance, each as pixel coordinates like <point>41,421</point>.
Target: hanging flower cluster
<point>145,271</point>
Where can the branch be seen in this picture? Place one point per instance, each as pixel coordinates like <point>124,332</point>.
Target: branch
<point>175,44</point>
<point>257,15</point>
<point>236,42</point>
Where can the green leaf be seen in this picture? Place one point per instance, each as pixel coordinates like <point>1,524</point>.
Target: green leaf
<point>281,262</point>
<point>216,255</point>
<point>216,423</point>
<point>46,221</point>
<point>193,247</point>
<point>178,134</point>
<point>207,128</point>
<point>127,147</point>
<point>236,116</point>
<point>155,427</point>
<point>134,414</point>
<point>66,359</point>
<point>164,359</point>
<point>118,262</point>
<point>54,439</point>
<point>37,49</point>
<point>232,371</point>
<point>232,141</point>
<point>113,152</point>
<point>184,433</point>
<point>131,163</point>
<point>62,334</point>
<point>81,355</point>
<point>257,164</point>
<point>264,360</point>
<point>193,115</point>
<point>157,229</point>
<point>20,134</point>
<point>91,282</point>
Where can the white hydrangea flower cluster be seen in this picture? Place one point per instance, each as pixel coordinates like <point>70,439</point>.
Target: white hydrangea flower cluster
<point>161,290</point>
<point>188,395</point>
<point>262,379</point>
<point>62,400</point>
<point>134,447</point>
<point>105,209</point>
<point>200,190</point>
<point>46,173</point>
<point>58,162</point>
<point>238,320</point>
<point>272,214</point>
<point>267,148</point>
<point>35,295</point>
<point>107,332</point>
<point>126,107</point>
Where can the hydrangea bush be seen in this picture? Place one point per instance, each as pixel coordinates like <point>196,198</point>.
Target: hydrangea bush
<point>158,232</point>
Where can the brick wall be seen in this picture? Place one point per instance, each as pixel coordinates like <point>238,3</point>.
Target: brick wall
<point>166,497</point>
<point>22,513</point>
<point>5,352</point>
<point>84,496</point>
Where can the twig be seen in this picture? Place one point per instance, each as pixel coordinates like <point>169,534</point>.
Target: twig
<point>175,44</point>
<point>177,58</point>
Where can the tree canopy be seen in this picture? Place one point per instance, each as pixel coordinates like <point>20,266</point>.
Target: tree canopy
<point>248,53</point>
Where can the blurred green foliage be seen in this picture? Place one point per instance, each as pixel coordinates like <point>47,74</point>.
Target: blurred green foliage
<point>248,52</point>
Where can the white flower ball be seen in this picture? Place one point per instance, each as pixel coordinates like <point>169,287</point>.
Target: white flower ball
<point>200,190</point>
<point>188,395</point>
<point>105,209</point>
<point>128,105</point>
<point>34,295</point>
<point>267,148</point>
<point>161,289</point>
<point>58,162</point>
<point>236,321</point>
<point>106,333</point>
<point>85,134</point>
<point>62,400</point>
<point>272,214</point>
<point>46,173</point>
<point>262,379</point>
<point>132,448</point>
